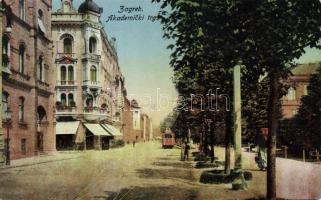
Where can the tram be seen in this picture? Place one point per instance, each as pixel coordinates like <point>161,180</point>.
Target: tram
<point>168,139</point>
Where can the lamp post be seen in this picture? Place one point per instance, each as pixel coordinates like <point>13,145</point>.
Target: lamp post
<point>7,120</point>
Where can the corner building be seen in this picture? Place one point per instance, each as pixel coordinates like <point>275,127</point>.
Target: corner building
<point>27,82</point>
<point>89,89</point>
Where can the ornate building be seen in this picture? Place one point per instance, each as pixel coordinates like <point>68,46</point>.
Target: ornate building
<point>27,84</point>
<point>89,87</point>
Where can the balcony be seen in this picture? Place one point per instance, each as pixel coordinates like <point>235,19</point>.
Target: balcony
<point>90,57</point>
<point>95,113</point>
<point>66,110</point>
<point>67,55</point>
<point>66,83</point>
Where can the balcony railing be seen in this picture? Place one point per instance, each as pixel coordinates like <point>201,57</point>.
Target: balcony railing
<point>68,55</point>
<point>66,82</point>
<point>66,109</point>
<point>91,56</point>
<point>96,110</point>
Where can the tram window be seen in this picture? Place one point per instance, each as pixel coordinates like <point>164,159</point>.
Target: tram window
<point>168,136</point>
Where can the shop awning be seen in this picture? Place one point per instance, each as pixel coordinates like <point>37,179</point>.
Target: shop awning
<point>112,130</point>
<point>67,128</point>
<point>97,130</point>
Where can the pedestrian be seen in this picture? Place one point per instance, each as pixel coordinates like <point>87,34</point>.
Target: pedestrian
<point>186,149</point>
<point>261,142</point>
<point>134,143</point>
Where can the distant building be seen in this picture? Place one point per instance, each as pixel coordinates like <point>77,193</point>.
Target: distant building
<point>298,87</point>
<point>137,125</point>
<point>89,88</point>
<point>27,77</point>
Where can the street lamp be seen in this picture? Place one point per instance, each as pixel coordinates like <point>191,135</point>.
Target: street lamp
<point>7,120</point>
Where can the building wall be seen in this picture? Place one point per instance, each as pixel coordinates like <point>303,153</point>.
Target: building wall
<point>26,84</point>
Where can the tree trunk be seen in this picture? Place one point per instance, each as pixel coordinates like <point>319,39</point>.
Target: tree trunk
<point>212,144</point>
<point>272,127</point>
<point>228,136</point>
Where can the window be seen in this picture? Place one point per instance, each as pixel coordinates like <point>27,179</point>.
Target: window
<point>5,103</point>
<point>291,94</point>
<point>22,58</point>
<point>90,102</point>
<point>63,99</point>
<point>70,99</point>
<point>67,45</point>
<point>41,70</point>
<point>92,45</point>
<point>70,73</point>
<point>305,89</point>
<point>294,112</point>
<point>63,73</point>
<point>22,5</point>
<point>41,26</point>
<point>21,108</point>
<point>23,146</point>
<point>93,74</point>
<point>41,114</point>
<point>5,51</point>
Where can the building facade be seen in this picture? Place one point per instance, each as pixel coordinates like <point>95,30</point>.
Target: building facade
<point>27,84</point>
<point>89,89</point>
<point>298,83</point>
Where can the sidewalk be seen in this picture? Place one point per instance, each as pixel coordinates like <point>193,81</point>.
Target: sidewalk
<point>42,159</point>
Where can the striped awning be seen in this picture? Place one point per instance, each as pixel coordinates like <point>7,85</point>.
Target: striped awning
<point>112,130</point>
<point>67,128</point>
<point>97,129</point>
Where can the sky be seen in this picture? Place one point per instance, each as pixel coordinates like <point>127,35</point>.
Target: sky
<point>142,55</point>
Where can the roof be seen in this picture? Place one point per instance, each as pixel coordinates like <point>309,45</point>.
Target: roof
<point>67,128</point>
<point>305,69</point>
<point>112,130</point>
<point>89,5</point>
<point>97,129</point>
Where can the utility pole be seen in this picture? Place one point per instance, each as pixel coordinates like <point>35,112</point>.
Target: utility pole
<point>239,182</point>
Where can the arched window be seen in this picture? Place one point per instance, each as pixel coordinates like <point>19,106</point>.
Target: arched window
<point>21,109</point>
<point>22,58</point>
<point>41,114</point>
<point>89,101</point>
<point>71,99</point>
<point>22,5</point>
<point>93,74</point>
<point>5,102</point>
<point>67,45</point>
<point>92,45</point>
<point>41,24</point>
<point>70,73</point>
<point>63,73</point>
<point>63,99</point>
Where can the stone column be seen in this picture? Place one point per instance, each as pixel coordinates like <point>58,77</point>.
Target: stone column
<point>239,182</point>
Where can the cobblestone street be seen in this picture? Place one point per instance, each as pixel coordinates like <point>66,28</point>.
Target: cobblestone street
<point>143,172</point>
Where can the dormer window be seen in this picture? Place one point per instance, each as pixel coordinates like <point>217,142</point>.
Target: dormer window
<point>92,45</point>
